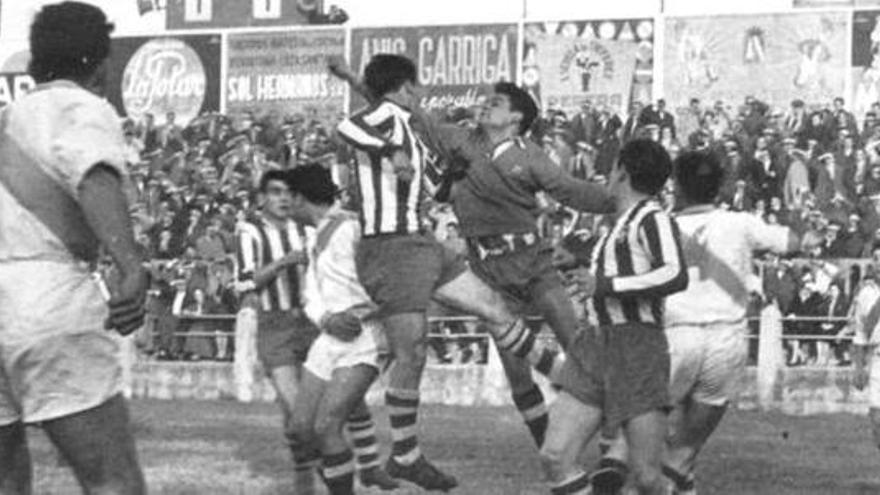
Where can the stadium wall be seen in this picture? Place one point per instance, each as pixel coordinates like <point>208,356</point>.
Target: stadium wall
<point>770,385</point>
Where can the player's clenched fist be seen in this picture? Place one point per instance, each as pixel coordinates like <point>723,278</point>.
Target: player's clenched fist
<point>345,325</point>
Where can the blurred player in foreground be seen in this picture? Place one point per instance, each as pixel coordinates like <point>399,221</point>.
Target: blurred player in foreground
<point>348,355</point>
<point>618,373</point>
<point>706,324</point>
<point>61,198</point>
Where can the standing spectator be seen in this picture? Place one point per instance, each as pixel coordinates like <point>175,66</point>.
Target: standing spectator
<point>584,124</point>
<point>582,166</point>
<point>842,118</point>
<point>657,114</point>
<point>632,124</point>
<point>690,119</point>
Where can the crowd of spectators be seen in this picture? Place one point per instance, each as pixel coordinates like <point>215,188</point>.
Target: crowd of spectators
<point>813,168</point>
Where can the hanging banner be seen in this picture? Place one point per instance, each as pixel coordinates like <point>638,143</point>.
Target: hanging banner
<point>774,58</point>
<point>179,74</point>
<point>457,65</point>
<point>606,62</point>
<point>285,72</point>
<point>865,61</point>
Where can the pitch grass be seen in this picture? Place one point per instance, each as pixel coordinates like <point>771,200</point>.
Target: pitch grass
<point>189,447</point>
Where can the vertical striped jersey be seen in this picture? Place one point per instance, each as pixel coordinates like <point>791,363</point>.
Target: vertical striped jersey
<point>388,204</point>
<point>259,243</point>
<point>637,264</point>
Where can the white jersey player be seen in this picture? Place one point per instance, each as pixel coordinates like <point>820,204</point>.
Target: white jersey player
<point>864,316</point>
<point>705,325</point>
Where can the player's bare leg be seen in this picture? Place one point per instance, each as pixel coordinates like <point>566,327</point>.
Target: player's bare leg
<point>15,460</point>
<point>299,421</point>
<point>645,435</point>
<point>407,337</point>
<point>690,429</point>
<point>99,446</point>
<point>553,303</point>
<point>342,394</point>
<point>470,294</point>
<point>572,425</point>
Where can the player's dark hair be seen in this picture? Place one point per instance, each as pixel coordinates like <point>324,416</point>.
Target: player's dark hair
<point>647,163</point>
<point>269,176</point>
<point>698,174</point>
<point>520,101</point>
<point>314,182</point>
<point>68,40</point>
<point>386,73</point>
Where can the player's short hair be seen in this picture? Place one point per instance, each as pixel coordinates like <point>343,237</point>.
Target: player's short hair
<point>699,175</point>
<point>647,163</point>
<point>68,40</point>
<point>386,73</point>
<point>269,176</point>
<point>520,101</point>
<point>314,182</point>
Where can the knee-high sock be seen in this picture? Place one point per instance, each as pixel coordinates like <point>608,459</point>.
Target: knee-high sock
<point>403,407</point>
<point>362,431</point>
<point>520,340</point>
<point>338,472</point>
<point>305,462</point>
<point>533,409</point>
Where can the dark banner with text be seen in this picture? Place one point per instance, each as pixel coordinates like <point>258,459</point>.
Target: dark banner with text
<point>457,65</point>
<point>285,72</point>
<point>179,74</point>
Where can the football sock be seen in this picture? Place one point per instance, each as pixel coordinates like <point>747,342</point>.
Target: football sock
<point>305,461</point>
<point>362,431</point>
<point>521,341</point>
<point>532,408</point>
<point>682,482</point>
<point>403,407</point>
<point>578,484</point>
<point>338,473</point>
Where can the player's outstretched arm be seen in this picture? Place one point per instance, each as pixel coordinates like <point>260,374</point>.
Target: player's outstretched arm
<point>561,186</point>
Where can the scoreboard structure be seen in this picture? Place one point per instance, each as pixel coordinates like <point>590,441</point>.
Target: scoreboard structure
<point>213,14</point>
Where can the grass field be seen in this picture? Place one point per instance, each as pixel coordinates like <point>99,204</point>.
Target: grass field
<point>232,448</point>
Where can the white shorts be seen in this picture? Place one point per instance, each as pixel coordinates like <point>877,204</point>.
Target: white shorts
<point>58,376</point>
<point>329,353</point>
<point>707,362</point>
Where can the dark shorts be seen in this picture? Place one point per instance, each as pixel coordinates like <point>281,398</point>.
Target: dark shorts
<point>401,272</point>
<point>621,369</point>
<point>516,273</point>
<point>284,338</point>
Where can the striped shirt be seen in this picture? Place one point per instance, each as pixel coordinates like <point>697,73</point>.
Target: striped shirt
<point>259,243</point>
<point>388,204</point>
<point>637,264</point>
